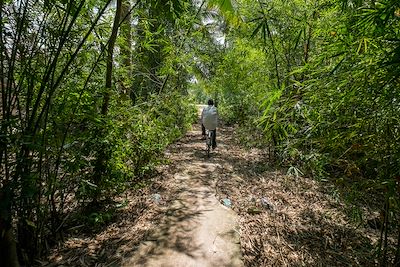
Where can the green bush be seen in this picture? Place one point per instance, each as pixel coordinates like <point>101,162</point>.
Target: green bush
<point>134,139</point>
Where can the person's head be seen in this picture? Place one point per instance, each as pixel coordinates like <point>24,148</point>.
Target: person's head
<point>210,102</point>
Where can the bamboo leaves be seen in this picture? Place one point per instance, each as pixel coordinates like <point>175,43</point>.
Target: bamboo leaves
<point>52,64</point>
<point>225,6</point>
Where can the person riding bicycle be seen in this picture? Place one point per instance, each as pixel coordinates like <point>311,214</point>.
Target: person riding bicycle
<point>209,121</point>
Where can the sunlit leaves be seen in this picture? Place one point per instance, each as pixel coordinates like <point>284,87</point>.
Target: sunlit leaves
<point>222,5</point>
<point>227,8</point>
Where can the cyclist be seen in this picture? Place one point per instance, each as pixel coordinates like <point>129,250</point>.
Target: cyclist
<point>209,121</point>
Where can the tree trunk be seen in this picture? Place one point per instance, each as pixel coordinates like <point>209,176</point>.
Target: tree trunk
<point>110,56</point>
<point>102,157</point>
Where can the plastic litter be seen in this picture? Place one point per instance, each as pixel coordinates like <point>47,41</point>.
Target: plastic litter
<point>157,198</point>
<point>254,210</point>
<point>267,204</point>
<point>227,202</point>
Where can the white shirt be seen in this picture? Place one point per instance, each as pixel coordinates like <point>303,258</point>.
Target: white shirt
<point>209,117</point>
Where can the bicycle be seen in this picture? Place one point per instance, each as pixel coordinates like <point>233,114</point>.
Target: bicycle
<point>209,138</point>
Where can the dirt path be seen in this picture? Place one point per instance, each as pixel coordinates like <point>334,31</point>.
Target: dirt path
<point>275,219</point>
<point>177,221</point>
<point>197,230</point>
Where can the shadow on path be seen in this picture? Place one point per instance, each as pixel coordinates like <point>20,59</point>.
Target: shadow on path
<point>195,229</point>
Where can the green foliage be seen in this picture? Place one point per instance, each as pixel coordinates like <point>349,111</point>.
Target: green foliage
<point>54,133</point>
<point>323,87</point>
<point>95,218</point>
<point>240,82</point>
<point>198,93</point>
<point>135,137</point>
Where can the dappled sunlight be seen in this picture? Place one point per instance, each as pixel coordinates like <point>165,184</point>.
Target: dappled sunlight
<point>298,223</point>
<point>304,225</point>
<point>196,229</point>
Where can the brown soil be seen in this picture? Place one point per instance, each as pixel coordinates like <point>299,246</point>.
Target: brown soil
<point>299,223</point>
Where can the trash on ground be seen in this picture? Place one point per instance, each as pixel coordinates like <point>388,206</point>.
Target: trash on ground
<point>227,202</point>
<point>156,198</point>
<point>254,210</point>
<point>267,204</point>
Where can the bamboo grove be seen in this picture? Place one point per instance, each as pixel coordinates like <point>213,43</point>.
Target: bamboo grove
<point>91,94</point>
<point>92,91</point>
<point>318,81</point>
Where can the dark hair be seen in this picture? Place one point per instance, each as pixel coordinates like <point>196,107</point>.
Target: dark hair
<point>210,102</point>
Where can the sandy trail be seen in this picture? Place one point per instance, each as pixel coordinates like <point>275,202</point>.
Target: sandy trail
<point>197,230</point>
